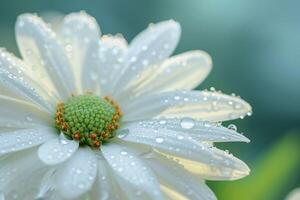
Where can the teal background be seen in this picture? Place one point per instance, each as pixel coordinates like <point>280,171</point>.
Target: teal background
<point>255,46</point>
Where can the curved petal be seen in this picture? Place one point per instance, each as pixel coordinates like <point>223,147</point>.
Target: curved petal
<point>106,186</point>
<point>40,48</point>
<point>185,183</point>
<point>57,150</point>
<point>19,114</point>
<point>293,195</point>
<point>15,76</point>
<point>198,130</point>
<point>210,172</point>
<point>47,184</point>
<point>134,176</point>
<point>16,170</point>
<point>181,145</point>
<point>23,139</point>
<point>81,34</point>
<point>151,46</point>
<point>181,72</point>
<point>203,105</point>
<point>78,174</point>
<point>111,53</point>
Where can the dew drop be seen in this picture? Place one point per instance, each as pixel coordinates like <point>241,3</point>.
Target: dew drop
<point>133,59</point>
<point>159,140</point>
<point>123,133</point>
<point>153,53</point>
<point>237,106</point>
<point>180,137</point>
<point>177,97</point>
<point>144,48</point>
<point>162,122</point>
<point>29,119</point>
<point>232,127</point>
<point>187,123</point>
<point>63,141</point>
<point>145,62</point>
<point>212,89</point>
<point>68,48</point>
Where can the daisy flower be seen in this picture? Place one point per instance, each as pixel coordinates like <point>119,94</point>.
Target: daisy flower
<point>91,117</point>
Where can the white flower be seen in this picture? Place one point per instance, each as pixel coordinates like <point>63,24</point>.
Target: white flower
<point>160,148</point>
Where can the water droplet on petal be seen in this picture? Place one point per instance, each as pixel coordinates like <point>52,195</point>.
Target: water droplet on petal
<point>162,122</point>
<point>187,123</point>
<point>29,119</point>
<point>63,141</point>
<point>159,140</point>
<point>232,127</point>
<point>180,137</point>
<point>123,133</point>
<point>237,106</point>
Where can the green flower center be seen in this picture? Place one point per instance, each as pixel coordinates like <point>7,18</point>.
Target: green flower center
<point>89,119</point>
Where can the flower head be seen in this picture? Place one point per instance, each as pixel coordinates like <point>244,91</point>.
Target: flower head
<point>84,116</point>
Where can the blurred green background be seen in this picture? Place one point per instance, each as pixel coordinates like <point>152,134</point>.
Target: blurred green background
<point>255,46</point>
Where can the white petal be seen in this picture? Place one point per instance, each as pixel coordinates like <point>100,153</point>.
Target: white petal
<point>133,175</point>
<point>111,52</point>
<point>57,150</point>
<point>40,47</point>
<point>106,186</point>
<point>210,172</point>
<point>171,194</point>
<point>19,114</point>
<point>198,130</point>
<point>24,139</point>
<point>14,77</point>
<point>203,105</point>
<point>182,145</point>
<point>48,188</point>
<point>182,72</point>
<point>16,170</point>
<point>78,174</point>
<point>177,178</point>
<point>151,46</point>
<point>47,184</point>
<point>81,36</point>
<point>294,195</point>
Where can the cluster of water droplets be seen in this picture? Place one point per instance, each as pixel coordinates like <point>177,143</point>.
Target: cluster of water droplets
<point>111,57</point>
<point>12,77</point>
<point>133,170</point>
<point>181,145</point>
<point>27,121</point>
<point>57,150</point>
<point>41,48</point>
<point>80,172</point>
<point>210,101</point>
<point>166,166</point>
<point>16,140</point>
<point>149,48</point>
